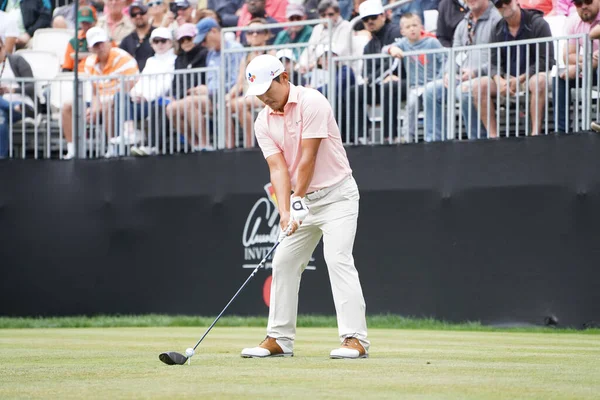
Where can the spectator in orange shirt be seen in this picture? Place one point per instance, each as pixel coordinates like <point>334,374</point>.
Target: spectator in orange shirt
<point>86,19</point>
<point>105,60</point>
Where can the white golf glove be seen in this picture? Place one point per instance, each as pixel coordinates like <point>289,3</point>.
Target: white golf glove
<point>298,209</point>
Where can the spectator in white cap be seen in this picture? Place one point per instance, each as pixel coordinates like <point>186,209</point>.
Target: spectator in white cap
<point>184,108</point>
<point>137,43</point>
<point>143,98</point>
<point>295,34</point>
<point>105,60</point>
<point>341,31</point>
<point>290,61</point>
<point>301,142</point>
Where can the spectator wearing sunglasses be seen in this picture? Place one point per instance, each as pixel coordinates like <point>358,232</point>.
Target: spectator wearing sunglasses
<point>142,100</point>
<point>450,13</point>
<point>585,20</point>
<point>505,79</point>
<point>475,29</point>
<point>115,22</point>
<point>157,11</point>
<point>341,30</point>
<point>137,43</point>
<point>295,34</point>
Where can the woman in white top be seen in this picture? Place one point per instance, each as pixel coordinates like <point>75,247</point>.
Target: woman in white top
<point>144,99</point>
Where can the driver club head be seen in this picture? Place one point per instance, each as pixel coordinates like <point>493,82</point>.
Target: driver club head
<point>172,358</point>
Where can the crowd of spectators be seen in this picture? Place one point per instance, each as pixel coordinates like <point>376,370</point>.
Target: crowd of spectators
<point>121,37</point>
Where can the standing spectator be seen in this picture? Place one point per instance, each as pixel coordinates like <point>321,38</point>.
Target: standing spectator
<point>294,34</point>
<point>509,79</point>
<point>421,69</point>
<point>273,11</point>
<point>105,60</point>
<point>30,16</point>
<point>137,43</point>
<point>86,21</point>
<point>9,32</point>
<point>475,29</point>
<point>584,20</point>
<point>116,24</point>
<point>154,83</point>
<point>341,31</point>
<point>17,96</point>
<point>382,78</point>
<point>450,13</point>
<point>227,10</point>
<point>64,17</point>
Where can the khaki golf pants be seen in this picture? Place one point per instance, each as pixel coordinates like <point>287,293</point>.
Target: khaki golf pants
<point>333,215</point>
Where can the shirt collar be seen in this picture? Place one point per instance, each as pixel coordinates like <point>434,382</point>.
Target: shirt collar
<point>292,98</point>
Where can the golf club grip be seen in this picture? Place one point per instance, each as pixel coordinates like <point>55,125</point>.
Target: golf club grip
<point>260,264</point>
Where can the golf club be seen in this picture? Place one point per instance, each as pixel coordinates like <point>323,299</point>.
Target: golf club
<point>175,358</point>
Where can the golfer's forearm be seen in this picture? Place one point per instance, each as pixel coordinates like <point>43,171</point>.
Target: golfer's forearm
<point>280,180</point>
<point>306,169</point>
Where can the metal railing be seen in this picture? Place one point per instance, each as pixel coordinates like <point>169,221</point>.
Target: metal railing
<point>390,108</point>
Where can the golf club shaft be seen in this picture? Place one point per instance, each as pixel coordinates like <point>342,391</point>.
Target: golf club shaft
<point>238,292</point>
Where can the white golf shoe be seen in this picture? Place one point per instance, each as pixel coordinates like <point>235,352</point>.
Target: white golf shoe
<point>270,347</point>
<point>350,348</point>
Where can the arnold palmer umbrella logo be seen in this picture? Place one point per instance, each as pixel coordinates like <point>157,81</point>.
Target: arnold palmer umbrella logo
<point>260,233</point>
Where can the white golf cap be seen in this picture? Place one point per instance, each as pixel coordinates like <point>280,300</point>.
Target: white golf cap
<point>95,35</point>
<point>286,53</point>
<point>370,7</point>
<point>161,32</point>
<point>260,73</point>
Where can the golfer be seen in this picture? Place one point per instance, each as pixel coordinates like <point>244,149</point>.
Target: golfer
<point>301,142</point>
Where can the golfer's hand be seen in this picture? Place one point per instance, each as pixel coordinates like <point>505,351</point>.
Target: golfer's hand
<point>298,209</point>
<point>287,225</point>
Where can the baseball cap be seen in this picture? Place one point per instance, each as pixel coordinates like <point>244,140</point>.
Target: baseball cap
<point>161,32</point>
<point>184,30</point>
<point>324,48</point>
<point>96,35</point>
<point>86,14</point>
<point>203,27</point>
<point>370,7</point>
<point>294,9</point>
<point>260,72</point>
<point>182,3</point>
<point>140,5</point>
<point>286,53</point>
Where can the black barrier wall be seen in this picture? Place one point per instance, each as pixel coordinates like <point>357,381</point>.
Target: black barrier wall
<point>503,231</point>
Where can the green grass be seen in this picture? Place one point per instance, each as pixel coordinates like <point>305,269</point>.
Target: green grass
<point>305,321</point>
<point>123,363</point>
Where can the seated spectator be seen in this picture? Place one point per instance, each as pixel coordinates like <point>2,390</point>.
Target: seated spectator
<point>200,99</point>
<point>564,7</point>
<point>382,80</point>
<point>64,17</point>
<point>154,84</point>
<point>190,56</point>
<point>340,33</point>
<point>30,15</point>
<point>157,12</point>
<point>509,79</point>
<point>235,101</point>
<point>181,12</point>
<point>9,32</point>
<point>346,9</point>
<point>137,43</point>
<point>289,61</point>
<point>584,20</point>
<point>344,76</point>
<point>474,29</point>
<point>421,69</point>
<point>273,11</point>
<point>227,11</point>
<point>15,98</point>
<point>450,13</point>
<point>86,21</point>
<point>116,24</point>
<point>105,60</point>
<point>294,34</point>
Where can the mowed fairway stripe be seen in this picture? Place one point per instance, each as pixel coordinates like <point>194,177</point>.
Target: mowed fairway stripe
<point>123,363</point>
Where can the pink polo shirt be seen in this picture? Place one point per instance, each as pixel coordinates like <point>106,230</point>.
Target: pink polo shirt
<point>575,25</point>
<point>306,115</point>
